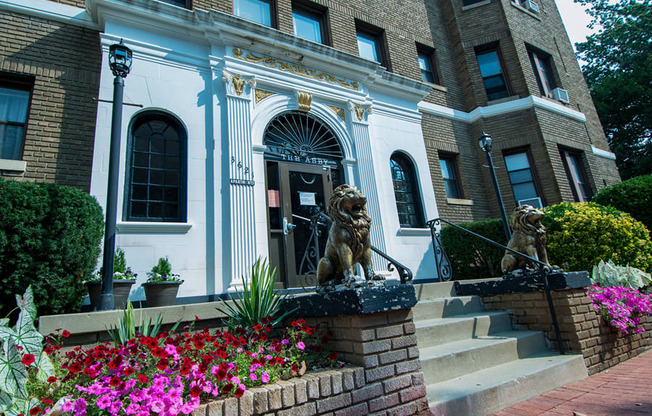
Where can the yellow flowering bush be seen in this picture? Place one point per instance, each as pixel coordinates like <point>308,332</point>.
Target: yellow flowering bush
<point>579,235</point>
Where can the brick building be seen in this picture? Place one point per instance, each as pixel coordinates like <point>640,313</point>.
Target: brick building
<point>241,116</point>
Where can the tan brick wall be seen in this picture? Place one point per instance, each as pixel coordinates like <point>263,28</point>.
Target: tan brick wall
<point>582,329</point>
<point>386,377</point>
<point>65,63</point>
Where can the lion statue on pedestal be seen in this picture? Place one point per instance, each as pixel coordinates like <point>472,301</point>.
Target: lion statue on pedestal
<point>528,237</point>
<point>348,239</point>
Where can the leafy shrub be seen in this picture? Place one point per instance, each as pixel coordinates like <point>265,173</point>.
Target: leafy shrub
<point>633,196</point>
<point>470,257</point>
<point>49,238</point>
<point>608,275</point>
<point>162,272</point>
<point>582,234</point>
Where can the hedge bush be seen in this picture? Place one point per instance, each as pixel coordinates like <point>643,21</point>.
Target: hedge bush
<point>582,234</point>
<point>470,257</point>
<point>50,238</point>
<point>633,196</point>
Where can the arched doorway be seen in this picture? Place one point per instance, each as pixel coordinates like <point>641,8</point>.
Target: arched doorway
<point>303,161</point>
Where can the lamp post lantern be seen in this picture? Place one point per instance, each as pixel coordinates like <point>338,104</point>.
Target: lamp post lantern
<point>120,64</point>
<point>485,144</point>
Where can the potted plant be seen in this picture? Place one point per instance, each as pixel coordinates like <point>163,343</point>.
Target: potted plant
<point>162,285</point>
<point>123,279</point>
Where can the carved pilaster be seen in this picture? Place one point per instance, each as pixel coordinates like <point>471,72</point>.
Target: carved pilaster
<point>238,86</point>
<point>359,112</point>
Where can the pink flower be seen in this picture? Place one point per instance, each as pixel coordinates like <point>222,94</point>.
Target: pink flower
<point>301,345</point>
<point>253,377</point>
<point>264,377</point>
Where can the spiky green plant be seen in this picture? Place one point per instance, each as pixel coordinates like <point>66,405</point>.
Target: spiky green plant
<point>256,301</point>
<point>126,329</point>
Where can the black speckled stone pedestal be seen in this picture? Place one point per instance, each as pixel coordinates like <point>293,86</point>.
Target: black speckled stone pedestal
<point>364,300</point>
<point>530,283</point>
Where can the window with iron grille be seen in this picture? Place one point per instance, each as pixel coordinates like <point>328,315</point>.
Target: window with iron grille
<point>406,191</point>
<point>156,170</point>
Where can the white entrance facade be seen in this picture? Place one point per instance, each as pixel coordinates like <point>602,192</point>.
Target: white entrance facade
<point>223,79</point>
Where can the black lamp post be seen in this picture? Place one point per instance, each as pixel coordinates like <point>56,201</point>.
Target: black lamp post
<point>485,144</point>
<point>120,63</point>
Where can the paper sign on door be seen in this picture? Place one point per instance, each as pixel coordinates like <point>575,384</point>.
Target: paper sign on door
<point>273,198</point>
<point>307,198</point>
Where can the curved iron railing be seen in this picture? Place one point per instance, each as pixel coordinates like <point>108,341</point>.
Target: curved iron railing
<point>542,268</point>
<point>310,259</point>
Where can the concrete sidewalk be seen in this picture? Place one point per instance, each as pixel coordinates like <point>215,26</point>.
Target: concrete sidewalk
<point>623,390</point>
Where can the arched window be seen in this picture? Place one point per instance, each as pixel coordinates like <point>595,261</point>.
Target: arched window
<point>406,191</point>
<point>156,170</point>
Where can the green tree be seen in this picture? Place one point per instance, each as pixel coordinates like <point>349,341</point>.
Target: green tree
<point>618,71</point>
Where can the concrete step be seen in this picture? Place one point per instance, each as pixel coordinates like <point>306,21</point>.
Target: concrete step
<point>455,359</point>
<point>445,307</point>
<point>490,390</point>
<point>429,291</point>
<point>431,332</point>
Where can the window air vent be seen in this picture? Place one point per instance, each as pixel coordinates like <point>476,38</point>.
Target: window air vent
<point>560,95</point>
<point>535,202</point>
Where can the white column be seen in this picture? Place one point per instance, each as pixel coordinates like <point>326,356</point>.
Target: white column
<point>359,119</point>
<point>239,92</point>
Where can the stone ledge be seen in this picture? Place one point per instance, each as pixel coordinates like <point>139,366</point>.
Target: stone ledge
<point>355,301</point>
<point>556,280</point>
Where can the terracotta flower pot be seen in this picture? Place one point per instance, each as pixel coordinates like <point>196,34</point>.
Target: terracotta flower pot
<point>161,293</point>
<point>121,289</point>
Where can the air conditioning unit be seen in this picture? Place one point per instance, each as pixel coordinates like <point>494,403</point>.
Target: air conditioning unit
<point>535,202</point>
<point>560,95</point>
<point>530,5</point>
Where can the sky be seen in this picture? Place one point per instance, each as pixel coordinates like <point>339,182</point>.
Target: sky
<point>575,20</point>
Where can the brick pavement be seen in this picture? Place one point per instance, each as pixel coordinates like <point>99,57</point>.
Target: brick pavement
<point>622,390</point>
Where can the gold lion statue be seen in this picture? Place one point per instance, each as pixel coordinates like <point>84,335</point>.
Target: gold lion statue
<point>528,237</point>
<point>348,239</point>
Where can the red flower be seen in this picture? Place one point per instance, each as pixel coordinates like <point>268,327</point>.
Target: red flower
<point>227,388</point>
<point>195,391</point>
<point>240,391</point>
<point>52,379</point>
<point>295,367</point>
<point>128,371</point>
<point>143,378</point>
<point>35,411</point>
<point>47,401</point>
<point>115,363</point>
<point>324,340</point>
<point>65,333</point>
<point>28,359</point>
<point>48,350</point>
<point>332,356</point>
<point>114,381</point>
<point>258,327</point>
<point>75,367</point>
<point>162,364</point>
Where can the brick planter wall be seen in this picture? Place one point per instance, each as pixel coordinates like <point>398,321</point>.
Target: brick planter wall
<point>388,380</point>
<point>582,329</point>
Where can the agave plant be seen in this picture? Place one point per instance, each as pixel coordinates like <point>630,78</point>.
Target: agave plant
<point>126,329</point>
<point>256,301</point>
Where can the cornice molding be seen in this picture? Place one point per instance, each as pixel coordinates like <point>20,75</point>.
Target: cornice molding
<point>500,109</point>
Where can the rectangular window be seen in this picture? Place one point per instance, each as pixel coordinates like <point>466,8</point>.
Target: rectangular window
<point>493,73</point>
<point>259,11</point>
<point>470,2</point>
<point>542,66</point>
<point>521,176</point>
<point>576,175</point>
<point>450,173</point>
<point>186,4</point>
<point>14,108</point>
<point>370,43</point>
<point>426,57</point>
<point>309,23</point>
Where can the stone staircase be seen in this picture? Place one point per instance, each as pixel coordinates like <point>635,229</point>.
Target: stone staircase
<point>475,363</point>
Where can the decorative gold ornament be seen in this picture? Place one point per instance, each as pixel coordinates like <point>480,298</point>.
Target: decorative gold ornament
<point>339,111</point>
<point>304,99</point>
<point>238,83</point>
<point>294,69</point>
<point>260,95</point>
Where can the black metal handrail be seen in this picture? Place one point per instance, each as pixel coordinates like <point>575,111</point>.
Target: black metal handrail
<point>543,268</point>
<point>404,273</point>
<point>310,260</point>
